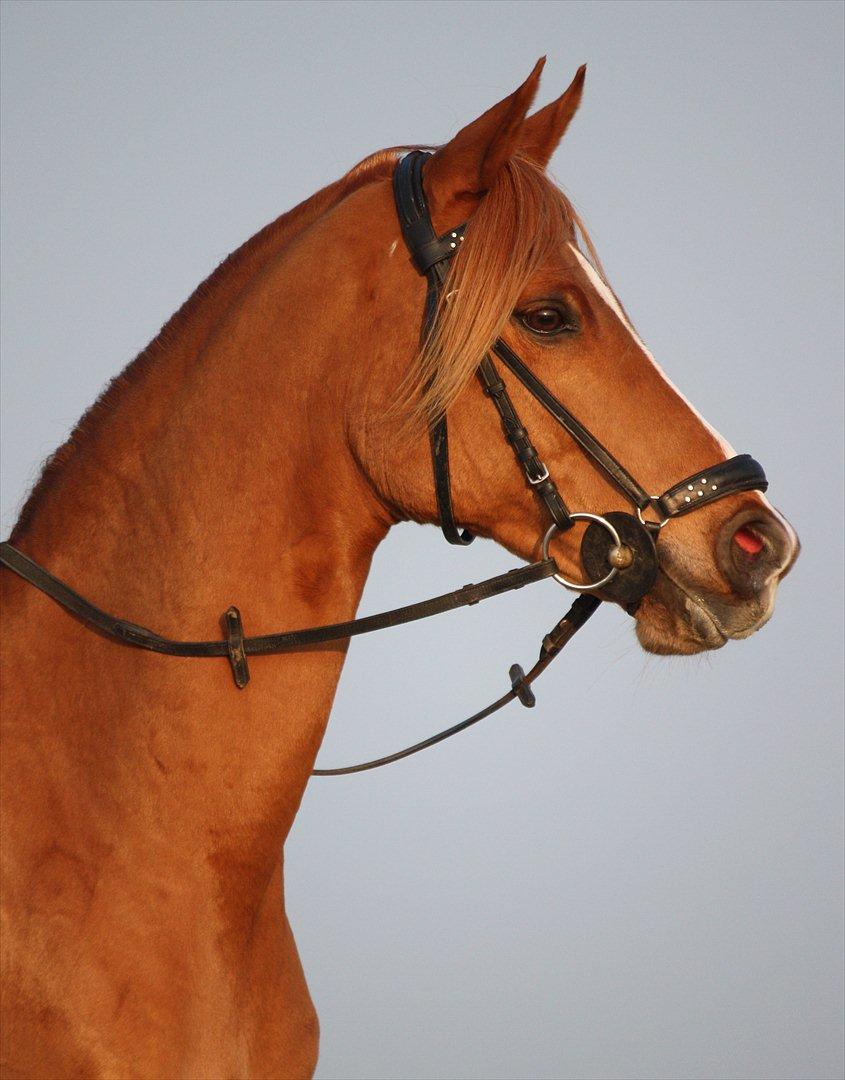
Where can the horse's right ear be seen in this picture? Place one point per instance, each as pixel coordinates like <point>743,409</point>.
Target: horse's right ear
<point>463,170</point>
<point>541,132</point>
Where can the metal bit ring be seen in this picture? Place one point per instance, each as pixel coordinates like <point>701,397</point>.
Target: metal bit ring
<point>590,586</point>
<point>654,503</point>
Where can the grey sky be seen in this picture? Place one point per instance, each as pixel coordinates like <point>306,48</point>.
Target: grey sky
<point>643,876</point>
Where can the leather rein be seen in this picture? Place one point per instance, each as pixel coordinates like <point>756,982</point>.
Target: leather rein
<point>617,551</point>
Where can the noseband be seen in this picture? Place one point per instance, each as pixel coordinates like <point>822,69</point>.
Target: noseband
<point>618,551</point>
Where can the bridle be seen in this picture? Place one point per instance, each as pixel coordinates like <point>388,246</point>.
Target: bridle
<point>618,576</point>
<point>618,549</point>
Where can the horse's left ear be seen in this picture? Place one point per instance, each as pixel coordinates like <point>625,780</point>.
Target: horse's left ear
<point>541,133</point>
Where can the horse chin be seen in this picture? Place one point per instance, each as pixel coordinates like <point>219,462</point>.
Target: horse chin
<point>679,619</point>
<point>671,621</point>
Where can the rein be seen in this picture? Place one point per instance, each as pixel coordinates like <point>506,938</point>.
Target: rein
<point>236,647</point>
<point>618,550</point>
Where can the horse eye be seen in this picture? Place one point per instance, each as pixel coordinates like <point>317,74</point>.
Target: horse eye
<point>547,320</point>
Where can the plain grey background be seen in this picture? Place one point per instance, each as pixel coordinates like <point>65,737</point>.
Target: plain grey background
<point>642,877</point>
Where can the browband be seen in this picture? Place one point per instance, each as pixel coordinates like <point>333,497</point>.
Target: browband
<point>426,247</point>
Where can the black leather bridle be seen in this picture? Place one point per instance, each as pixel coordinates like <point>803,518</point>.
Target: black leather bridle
<point>623,576</point>
<point>617,551</point>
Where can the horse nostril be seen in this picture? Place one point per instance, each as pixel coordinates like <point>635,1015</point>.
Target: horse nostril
<point>752,548</point>
<point>749,541</point>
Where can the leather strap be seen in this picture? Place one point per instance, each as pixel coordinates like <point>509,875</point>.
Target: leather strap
<point>615,471</point>
<point>133,634</point>
<point>426,248</point>
<point>535,471</point>
<point>237,647</point>
<point>439,439</point>
<point>740,473</point>
<point>430,255</point>
<point>553,644</point>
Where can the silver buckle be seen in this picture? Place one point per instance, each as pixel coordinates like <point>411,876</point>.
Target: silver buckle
<point>653,501</point>
<point>540,479</point>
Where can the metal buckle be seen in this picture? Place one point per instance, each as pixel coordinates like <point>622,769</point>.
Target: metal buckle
<point>540,479</point>
<point>654,501</point>
<point>590,586</point>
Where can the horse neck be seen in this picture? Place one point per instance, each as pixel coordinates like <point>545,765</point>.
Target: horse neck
<point>218,473</point>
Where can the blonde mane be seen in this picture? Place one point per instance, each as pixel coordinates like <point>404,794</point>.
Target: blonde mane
<point>520,223</point>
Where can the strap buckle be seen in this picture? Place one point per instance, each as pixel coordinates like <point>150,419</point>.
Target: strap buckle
<point>535,480</point>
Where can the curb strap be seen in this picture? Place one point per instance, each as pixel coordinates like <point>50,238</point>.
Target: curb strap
<point>553,643</point>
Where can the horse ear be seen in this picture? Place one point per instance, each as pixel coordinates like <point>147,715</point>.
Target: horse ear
<point>465,168</point>
<point>541,133</point>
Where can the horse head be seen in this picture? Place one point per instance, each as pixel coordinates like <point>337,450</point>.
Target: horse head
<point>524,273</point>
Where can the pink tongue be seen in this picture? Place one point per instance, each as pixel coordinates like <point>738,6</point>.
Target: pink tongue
<point>749,541</point>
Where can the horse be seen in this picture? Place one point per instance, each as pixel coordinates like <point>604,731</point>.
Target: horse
<point>260,448</point>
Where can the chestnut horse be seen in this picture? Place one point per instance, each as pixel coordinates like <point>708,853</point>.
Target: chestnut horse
<point>257,452</point>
